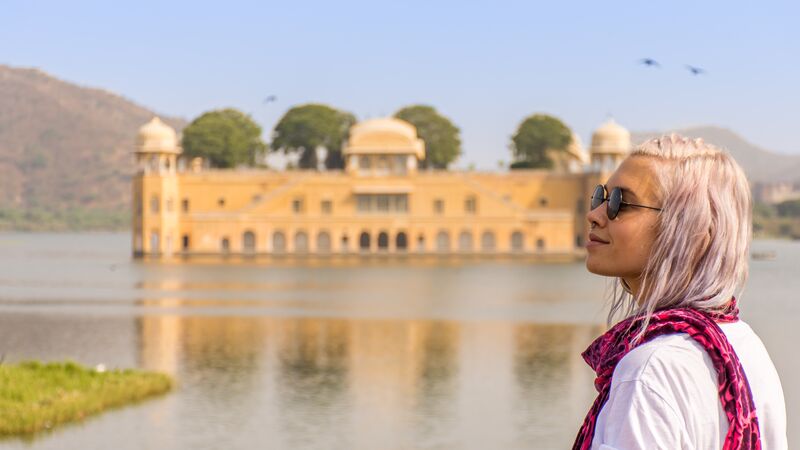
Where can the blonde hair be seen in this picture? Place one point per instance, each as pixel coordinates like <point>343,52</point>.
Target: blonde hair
<point>699,258</point>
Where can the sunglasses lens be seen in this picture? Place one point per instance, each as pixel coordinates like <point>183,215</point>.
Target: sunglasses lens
<point>598,196</point>
<point>614,202</point>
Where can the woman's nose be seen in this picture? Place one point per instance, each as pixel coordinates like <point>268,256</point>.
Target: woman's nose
<point>598,215</point>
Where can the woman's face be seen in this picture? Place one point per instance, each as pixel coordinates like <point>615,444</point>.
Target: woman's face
<point>620,247</point>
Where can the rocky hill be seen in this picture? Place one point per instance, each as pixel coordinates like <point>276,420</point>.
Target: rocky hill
<point>65,150</point>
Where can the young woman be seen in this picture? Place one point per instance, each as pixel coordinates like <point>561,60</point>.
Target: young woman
<point>673,225</point>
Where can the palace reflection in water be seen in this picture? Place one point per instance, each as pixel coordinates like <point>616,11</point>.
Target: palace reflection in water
<point>359,383</point>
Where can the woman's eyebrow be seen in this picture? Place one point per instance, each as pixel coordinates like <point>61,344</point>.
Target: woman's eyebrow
<point>627,193</point>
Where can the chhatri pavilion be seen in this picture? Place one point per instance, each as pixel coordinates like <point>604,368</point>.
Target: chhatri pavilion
<point>381,203</point>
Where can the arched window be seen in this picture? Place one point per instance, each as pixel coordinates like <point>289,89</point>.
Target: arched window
<point>401,242</point>
<point>465,241</point>
<point>301,242</point>
<point>323,242</point>
<point>249,242</point>
<point>421,243</point>
<point>540,245</point>
<point>517,242</point>
<point>364,242</point>
<point>155,204</point>
<point>225,245</point>
<point>278,242</point>
<point>364,162</point>
<point>443,242</point>
<point>155,245</point>
<point>137,201</point>
<point>383,164</point>
<point>383,241</point>
<point>399,165</point>
<point>345,244</point>
<point>488,241</point>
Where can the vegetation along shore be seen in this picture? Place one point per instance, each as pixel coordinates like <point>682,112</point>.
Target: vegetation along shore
<point>37,396</point>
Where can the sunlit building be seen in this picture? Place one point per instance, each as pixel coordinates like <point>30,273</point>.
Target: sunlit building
<point>381,203</point>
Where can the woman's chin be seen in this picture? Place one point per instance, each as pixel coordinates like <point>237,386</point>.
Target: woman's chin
<point>597,268</point>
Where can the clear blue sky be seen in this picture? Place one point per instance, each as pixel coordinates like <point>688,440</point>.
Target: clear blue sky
<point>486,65</point>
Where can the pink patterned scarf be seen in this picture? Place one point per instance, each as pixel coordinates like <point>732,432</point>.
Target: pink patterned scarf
<point>734,391</point>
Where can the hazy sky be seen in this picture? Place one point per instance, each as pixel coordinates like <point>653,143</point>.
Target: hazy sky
<point>485,65</point>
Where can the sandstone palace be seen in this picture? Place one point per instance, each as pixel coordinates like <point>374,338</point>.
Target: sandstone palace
<point>381,203</point>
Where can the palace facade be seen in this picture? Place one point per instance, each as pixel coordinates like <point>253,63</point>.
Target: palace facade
<point>381,203</point>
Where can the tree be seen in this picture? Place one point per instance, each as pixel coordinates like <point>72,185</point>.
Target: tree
<point>788,208</point>
<point>442,141</point>
<point>765,210</point>
<point>227,138</point>
<point>535,136</point>
<point>307,128</point>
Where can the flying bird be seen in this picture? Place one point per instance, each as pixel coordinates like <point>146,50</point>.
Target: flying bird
<point>649,62</point>
<point>695,70</point>
<point>270,98</point>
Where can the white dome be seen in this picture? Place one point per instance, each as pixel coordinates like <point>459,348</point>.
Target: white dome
<point>384,125</point>
<point>386,135</point>
<point>611,138</point>
<point>157,137</point>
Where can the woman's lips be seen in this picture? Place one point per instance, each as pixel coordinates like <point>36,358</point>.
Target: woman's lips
<point>595,240</point>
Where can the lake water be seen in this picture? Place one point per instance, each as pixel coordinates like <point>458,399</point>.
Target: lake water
<point>382,353</point>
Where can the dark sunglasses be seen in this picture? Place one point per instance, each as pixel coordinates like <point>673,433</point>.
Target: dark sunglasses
<point>614,199</point>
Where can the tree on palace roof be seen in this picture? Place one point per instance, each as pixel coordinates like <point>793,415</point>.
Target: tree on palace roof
<point>227,138</point>
<point>442,141</point>
<point>305,129</point>
<point>535,136</point>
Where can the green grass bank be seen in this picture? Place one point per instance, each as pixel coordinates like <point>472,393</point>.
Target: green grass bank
<point>36,396</point>
<point>68,219</point>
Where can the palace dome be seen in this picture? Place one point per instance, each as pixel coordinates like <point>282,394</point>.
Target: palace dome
<point>157,137</point>
<point>385,135</point>
<point>611,138</point>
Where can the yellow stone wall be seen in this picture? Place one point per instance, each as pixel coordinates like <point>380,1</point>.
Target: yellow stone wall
<point>151,190</point>
<point>272,212</point>
<point>207,207</point>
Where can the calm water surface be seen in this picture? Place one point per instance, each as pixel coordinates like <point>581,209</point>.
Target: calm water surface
<point>362,354</point>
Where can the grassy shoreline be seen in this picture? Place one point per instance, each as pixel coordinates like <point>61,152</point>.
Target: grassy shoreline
<point>37,396</point>
<point>71,219</point>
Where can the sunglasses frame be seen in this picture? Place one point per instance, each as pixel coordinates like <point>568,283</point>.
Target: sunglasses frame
<point>614,199</point>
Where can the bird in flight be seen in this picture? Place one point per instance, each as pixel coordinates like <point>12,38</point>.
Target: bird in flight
<point>270,98</point>
<point>649,62</point>
<point>695,70</point>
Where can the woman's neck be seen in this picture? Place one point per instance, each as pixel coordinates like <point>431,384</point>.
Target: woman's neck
<point>634,285</point>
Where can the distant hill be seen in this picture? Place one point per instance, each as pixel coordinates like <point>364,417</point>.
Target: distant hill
<point>760,165</point>
<point>64,148</point>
